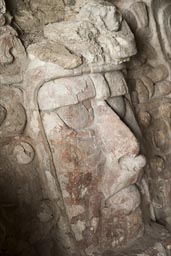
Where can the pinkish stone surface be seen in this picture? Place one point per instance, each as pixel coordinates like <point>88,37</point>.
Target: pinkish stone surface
<point>71,169</point>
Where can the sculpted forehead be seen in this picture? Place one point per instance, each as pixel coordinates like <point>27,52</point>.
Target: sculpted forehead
<point>72,90</point>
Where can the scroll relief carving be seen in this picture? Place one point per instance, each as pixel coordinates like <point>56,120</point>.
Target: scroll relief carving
<point>150,86</point>
<point>28,212</point>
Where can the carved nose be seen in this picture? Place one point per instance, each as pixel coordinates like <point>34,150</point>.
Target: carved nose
<point>116,137</point>
<point>132,164</point>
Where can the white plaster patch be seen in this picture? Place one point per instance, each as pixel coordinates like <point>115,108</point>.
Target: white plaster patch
<point>52,121</point>
<point>78,229</point>
<point>75,210</point>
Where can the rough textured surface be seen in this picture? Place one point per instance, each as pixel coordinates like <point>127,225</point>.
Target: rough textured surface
<point>75,120</point>
<point>97,33</point>
<point>149,83</point>
<point>30,16</point>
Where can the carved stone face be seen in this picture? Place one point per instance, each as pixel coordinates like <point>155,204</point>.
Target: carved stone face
<point>94,152</point>
<point>95,156</point>
<point>86,157</point>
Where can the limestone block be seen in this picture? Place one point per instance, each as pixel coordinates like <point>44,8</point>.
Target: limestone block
<point>98,34</point>
<point>32,15</point>
<point>55,53</point>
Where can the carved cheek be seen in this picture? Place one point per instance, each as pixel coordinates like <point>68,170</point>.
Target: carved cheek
<point>116,137</point>
<point>75,116</point>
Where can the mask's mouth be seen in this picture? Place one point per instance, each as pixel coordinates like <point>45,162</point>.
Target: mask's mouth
<point>131,170</point>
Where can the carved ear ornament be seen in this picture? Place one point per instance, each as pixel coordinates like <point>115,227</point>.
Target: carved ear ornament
<point>24,152</point>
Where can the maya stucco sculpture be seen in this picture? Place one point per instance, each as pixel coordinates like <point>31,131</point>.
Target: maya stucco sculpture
<point>59,127</point>
<point>71,168</point>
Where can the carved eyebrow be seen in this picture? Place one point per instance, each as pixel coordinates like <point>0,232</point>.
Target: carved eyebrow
<point>65,91</point>
<point>72,90</point>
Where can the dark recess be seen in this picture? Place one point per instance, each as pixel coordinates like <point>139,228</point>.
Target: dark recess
<point>11,6</point>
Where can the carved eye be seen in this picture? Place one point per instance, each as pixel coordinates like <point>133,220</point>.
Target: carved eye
<point>75,116</point>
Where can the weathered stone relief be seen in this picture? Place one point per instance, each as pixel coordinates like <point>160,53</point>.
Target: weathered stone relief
<point>30,16</point>
<point>95,171</point>
<point>74,120</point>
<point>29,204</point>
<point>58,141</point>
<point>149,84</point>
